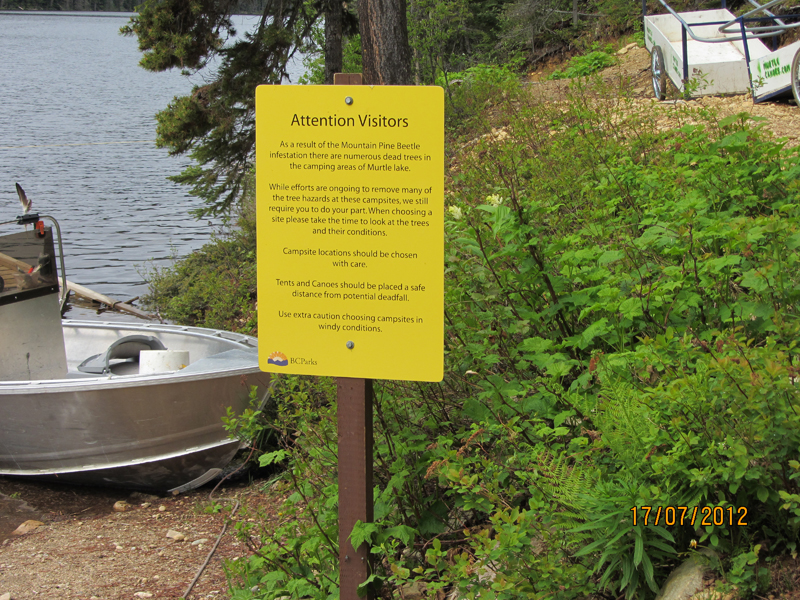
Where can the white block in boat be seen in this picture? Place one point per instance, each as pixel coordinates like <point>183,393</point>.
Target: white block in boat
<point>162,361</point>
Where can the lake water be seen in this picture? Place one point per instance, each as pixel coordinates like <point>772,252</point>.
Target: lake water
<point>77,131</point>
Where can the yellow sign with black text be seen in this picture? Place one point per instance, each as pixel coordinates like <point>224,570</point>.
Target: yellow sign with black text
<point>350,211</point>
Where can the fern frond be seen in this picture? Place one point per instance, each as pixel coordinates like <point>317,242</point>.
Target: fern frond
<point>625,422</point>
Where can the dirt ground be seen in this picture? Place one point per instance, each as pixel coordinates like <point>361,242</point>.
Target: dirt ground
<point>783,117</point>
<point>85,550</point>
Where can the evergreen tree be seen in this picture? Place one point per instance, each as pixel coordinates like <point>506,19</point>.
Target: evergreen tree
<point>215,124</point>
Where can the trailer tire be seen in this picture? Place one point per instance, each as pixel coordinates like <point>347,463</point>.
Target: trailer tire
<point>795,75</point>
<point>659,72</point>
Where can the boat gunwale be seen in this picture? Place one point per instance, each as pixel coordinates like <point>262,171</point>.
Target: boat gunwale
<point>111,381</point>
<point>237,338</point>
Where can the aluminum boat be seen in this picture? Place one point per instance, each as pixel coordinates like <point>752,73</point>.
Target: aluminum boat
<point>135,405</point>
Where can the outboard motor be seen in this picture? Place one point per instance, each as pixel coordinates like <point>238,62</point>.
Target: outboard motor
<point>31,338</point>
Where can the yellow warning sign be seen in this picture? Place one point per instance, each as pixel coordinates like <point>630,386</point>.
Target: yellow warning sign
<point>350,208</point>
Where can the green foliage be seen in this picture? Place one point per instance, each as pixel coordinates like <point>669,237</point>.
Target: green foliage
<point>744,571</point>
<point>485,29</point>
<point>468,92</point>
<point>298,555</point>
<point>540,23</point>
<point>314,59</point>
<point>622,15</point>
<point>628,550</point>
<point>215,124</point>
<point>253,427</point>
<point>708,424</point>
<point>455,34</point>
<point>212,287</point>
<point>437,36</point>
<point>178,33</point>
<point>585,65</point>
<point>642,284</point>
<point>622,332</point>
<point>480,74</point>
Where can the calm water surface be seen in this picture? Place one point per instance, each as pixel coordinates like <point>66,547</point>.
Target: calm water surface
<point>77,131</point>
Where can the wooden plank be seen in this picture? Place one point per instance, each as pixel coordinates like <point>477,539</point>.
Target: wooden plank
<point>13,264</point>
<point>84,292</point>
<point>347,79</point>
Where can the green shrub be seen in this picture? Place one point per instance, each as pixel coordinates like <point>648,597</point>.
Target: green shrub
<point>468,92</point>
<point>622,316</point>
<point>557,267</point>
<point>295,555</point>
<point>585,65</point>
<point>212,287</point>
<point>480,74</point>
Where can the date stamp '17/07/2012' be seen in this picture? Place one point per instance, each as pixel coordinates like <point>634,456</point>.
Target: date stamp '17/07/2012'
<point>700,515</point>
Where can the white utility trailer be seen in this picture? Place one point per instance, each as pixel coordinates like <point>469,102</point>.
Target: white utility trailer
<point>715,52</point>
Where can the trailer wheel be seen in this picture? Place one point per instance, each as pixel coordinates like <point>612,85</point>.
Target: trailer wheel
<point>659,72</point>
<point>795,75</point>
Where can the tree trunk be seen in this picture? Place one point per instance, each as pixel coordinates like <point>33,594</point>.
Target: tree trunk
<point>386,56</point>
<point>333,39</point>
<point>416,55</point>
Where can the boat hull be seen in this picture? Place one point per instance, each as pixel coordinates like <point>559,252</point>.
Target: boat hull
<point>154,432</point>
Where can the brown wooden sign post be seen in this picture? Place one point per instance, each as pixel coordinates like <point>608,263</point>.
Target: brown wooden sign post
<point>354,414</point>
<point>354,432</point>
<point>350,201</point>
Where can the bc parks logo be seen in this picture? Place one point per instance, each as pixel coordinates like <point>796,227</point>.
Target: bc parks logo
<point>278,358</point>
<point>303,361</point>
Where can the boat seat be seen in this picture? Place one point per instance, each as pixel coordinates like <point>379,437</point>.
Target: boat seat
<point>123,350</point>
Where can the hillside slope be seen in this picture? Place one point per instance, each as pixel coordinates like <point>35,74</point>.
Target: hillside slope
<point>633,72</point>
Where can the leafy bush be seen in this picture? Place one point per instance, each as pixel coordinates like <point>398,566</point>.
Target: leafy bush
<point>298,555</point>
<point>468,92</point>
<point>480,74</point>
<point>567,276</point>
<point>212,287</point>
<point>622,332</point>
<point>585,65</point>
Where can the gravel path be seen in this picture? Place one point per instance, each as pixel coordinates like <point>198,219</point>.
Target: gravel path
<point>84,549</point>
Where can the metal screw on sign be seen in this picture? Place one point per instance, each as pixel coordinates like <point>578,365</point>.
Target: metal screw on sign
<point>348,101</point>
<point>350,345</point>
